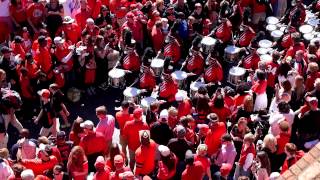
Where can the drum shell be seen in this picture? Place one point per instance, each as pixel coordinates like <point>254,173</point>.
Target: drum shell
<point>236,79</point>
<point>118,81</point>
<point>135,99</point>
<point>231,57</point>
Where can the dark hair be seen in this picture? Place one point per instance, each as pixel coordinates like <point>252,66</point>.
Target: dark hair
<point>219,102</point>
<point>284,107</point>
<point>202,90</point>
<point>264,161</point>
<point>125,104</point>
<point>169,161</point>
<point>226,137</point>
<point>202,104</point>
<point>261,75</point>
<point>286,85</point>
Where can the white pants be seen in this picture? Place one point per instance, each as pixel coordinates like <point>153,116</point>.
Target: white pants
<point>8,118</point>
<point>261,102</point>
<point>53,129</point>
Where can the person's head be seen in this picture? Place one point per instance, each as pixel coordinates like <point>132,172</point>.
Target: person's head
<point>100,164</point>
<point>154,106</point>
<point>226,139</point>
<point>44,152</point>
<point>24,133</point>
<point>125,106</point>
<point>299,81</point>
<point>284,107</point>
<point>104,10</point>
<point>83,4</point>
<point>202,90</point>
<point>76,129</point>
<point>130,17</point>
<point>213,120</point>
<point>270,142</point>
<point>101,112</point>
<point>4,153</point>
<point>261,75</point>
<point>27,174</point>
<point>137,114</point>
<point>219,101</point>
<point>242,124</point>
<point>248,103</point>
<point>198,8</point>
<point>202,150</point>
<point>53,87</point>
<point>58,171</point>
<point>61,137</point>
<point>163,117</point>
<point>2,75</point>
<point>299,55</point>
<point>6,52</point>
<point>181,132</point>
<point>172,113</point>
<point>313,67</point>
<point>144,137</point>
<point>87,126</point>
<point>100,41</point>
<point>118,162</point>
<point>76,157</point>
<point>44,95</point>
<point>248,139</point>
<point>286,85</point>
<point>90,23</point>
<point>313,103</point>
<point>114,150</point>
<point>284,126</point>
<point>263,159</point>
<point>189,157</point>
<point>17,170</point>
<point>290,149</point>
<point>317,84</point>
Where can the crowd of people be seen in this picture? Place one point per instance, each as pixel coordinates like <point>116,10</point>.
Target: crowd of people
<point>234,125</point>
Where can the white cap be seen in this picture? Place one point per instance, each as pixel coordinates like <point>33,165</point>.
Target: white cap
<point>87,124</point>
<point>274,175</point>
<point>27,174</point>
<point>89,20</point>
<point>42,147</point>
<point>58,40</point>
<point>164,150</point>
<point>164,114</point>
<point>179,96</point>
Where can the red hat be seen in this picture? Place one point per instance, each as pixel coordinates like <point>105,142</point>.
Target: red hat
<point>203,128</point>
<point>137,113</point>
<point>45,93</point>
<point>225,169</point>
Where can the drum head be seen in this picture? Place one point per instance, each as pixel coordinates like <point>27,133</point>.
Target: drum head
<point>276,33</point>
<point>116,73</point>
<point>272,20</point>
<point>313,22</point>
<point>265,43</point>
<point>262,51</point>
<point>195,85</point>
<point>317,39</point>
<point>208,41</point>
<point>131,92</point>
<point>283,28</point>
<point>157,63</point>
<point>145,102</point>
<point>308,36</point>
<point>232,49</point>
<point>271,27</point>
<point>305,29</point>
<point>237,71</point>
<point>266,57</point>
<point>179,75</point>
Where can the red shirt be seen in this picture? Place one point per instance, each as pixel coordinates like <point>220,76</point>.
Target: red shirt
<point>213,73</point>
<point>95,6</point>
<point>82,16</point>
<point>93,143</point>
<point>157,38</point>
<point>164,173</point>
<point>43,59</point>
<point>244,153</point>
<point>18,13</point>
<point>246,37</point>
<point>205,161</point>
<point>122,118</point>
<point>168,90</point>
<point>145,158</point>
<point>251,61</point>
<point>17,48</point>
<point>36,12</point>
<point>62,53</point>
<point>184,108</point>
<point>272,69</point>
<point>195,63</point>
<point>38,166</point>
<point>224,31</point>
<point>223,113</point>
<point>131,61</point>
<point>282,140</point>
<point>136,28</point>
<point>289,162</point>
<point>293,49</point>
<point>259,87</point>
<point>213,138</point>
<point>258,7</point>
<point>4,32</point>
<point>238,99</point>
<point>104,175</point>
<point>172,49</point>
<point>32,69</point>
<point>131,132</point>
<point>193,172</point>
<point>78,174</point>
<point>25,87</point>
<point>72,32</point>
<point>147,79</point>
<point>310,80</point>
<point>35,44</point>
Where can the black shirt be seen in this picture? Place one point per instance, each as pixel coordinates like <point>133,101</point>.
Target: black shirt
<point>161,133</point>
<point>57,100</point>
<point>47,115</point>
<point>309,125</point>
<point>179,147</point>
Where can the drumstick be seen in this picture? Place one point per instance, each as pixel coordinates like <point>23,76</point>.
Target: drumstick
<point>137,79</point>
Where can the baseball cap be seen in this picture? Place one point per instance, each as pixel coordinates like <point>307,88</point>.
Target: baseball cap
<point>68,20</point>
<point>311,99</point>
<point>181,131</point>
<point>164,115</point>
<point>45,93</point>
<point>100,162</point>
<point>58,40</point>
<point>27,174</point>
<point>137,113</point>
<point>129,15</point>
<point>164,150</point>
<point>203,128</point>
<point>87,124</point>
<point>90,20</point>
<point>212,117</point>
<point>5,49</point>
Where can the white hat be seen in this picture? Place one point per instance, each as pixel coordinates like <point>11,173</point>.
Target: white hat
<point>89,20</point>
<point>42,147</point>
<point>179,96</point>
<point>58,40</point>
<point>87,124</point>
<point>68,20</point>
<point>274,175</point>
<point>164,150</point>
<point>164,114</point>
<point>27,174</point>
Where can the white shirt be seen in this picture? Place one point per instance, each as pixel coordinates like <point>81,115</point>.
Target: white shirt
<point>4,8</point>
<point>5,170</point>
<point>276,118</point>
<point>106,127</point>
<point>28,149</point>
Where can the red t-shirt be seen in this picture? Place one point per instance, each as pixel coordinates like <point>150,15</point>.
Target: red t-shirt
<point>78,174</point>
<point>282,140</point>
<point>213,138</point>
<point>38,166</point>
<point>35,12</point>
<point>4,32</point>
<point>136,28</point>
<point>19,14</point>
<point>63,52</point>
<point>72,33</point>
<point>82,17</point>
<point>293,49</point>
<point>222,113</point>
<point>205,161</point>
<point>193,172</point>
<point>272,69</point>
<point>122,118</point>
<point>259,87</point>
<point>104,175</point>
<point>310,80</point>
<point>131,132</point>
<point>93,143</point>
<point>157,38</point>
<point>32,69</point>
<point>25,87</point>
<point>258,7</point>
<point>145,158</point>
<point>164,173</point>
<point>184,108</point>
<point>43,60</point>
<point>17,48</point>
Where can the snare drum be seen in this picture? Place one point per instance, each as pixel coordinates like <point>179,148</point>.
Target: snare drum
<point>231,53</point>
<point>266,58</point>
<point>146,102</point>
<point>132,94</point>
<point>308,37</point>
<point>265,43</point>
<point>207,44</point>
<point>276,34</point>
<point>180,77</point>
<point>262,51</point>
<point>272,20</point>
<point>271,27</point>
<point>305,29</point>
<point>157,66</point>
<point>116,78</point>
<point>194,87</point>
<point>236,75</point>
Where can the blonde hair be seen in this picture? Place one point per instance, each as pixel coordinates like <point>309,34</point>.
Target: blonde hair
<point>202,147</point>
<point>172,111</point>
<point>270,142</point>
<point>249,137</point>
<point>313,67</point>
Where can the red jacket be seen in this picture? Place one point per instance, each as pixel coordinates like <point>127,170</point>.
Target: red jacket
<point>246,37</point>
<point>213,73</point>
<point>244,153</point>
<point>93,143</point>
<point>131,61</point>
<point>289,162</point>
<point>172,49</point>
<point>168,89</point>
<point>72,32</point>
<point>251,61</point>
<point>224,31</point>
<point>147,79</point>
<point>195,62</point>
<point>38,166</point>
